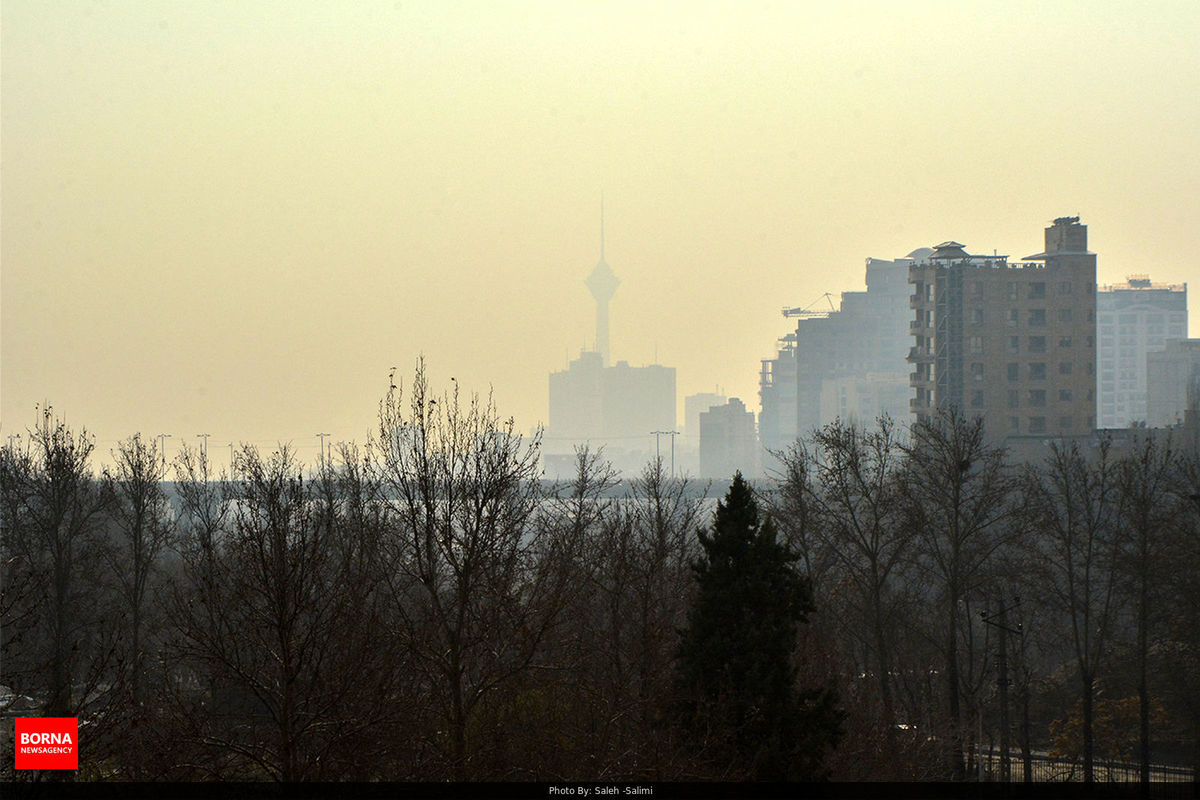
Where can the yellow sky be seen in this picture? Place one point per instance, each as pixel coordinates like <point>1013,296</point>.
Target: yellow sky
<point>233,218</point>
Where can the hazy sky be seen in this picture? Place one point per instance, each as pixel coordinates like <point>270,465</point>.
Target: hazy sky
<point>234,217</point>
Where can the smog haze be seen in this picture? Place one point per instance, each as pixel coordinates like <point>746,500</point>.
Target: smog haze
<point>235,218</point>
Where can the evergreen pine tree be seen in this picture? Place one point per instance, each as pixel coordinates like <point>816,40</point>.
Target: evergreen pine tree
<point>738,680</point>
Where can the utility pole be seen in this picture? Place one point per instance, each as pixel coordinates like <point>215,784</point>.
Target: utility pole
<point>204,447</point>
<point>162,448</point>
<point>11,437</point>
<point>322,436</point>
<point>1002,682</point>
<point>672,434</point>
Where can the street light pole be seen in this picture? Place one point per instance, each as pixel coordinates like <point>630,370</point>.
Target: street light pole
<point>162,448</point>
<point>1002,680</point>
<point>672,434</point>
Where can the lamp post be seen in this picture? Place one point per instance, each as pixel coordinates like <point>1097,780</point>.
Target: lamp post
<point>162,448</point>
<point>672,434</point>
<point>1000,623</point>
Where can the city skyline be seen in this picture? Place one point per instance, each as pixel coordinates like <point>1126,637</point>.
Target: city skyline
<point>235,220</point>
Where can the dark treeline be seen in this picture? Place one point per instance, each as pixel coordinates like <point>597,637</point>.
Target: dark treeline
<point>424,608</point>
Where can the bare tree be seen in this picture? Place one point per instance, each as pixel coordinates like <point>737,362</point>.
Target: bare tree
<point>1074,558</point>
<point>955,491</point>
<point>472,608</point>
<point>1148,511</point>
<point>858,520</point>
<point>54,509</point>
<point>142,523</point>
<point>279,617</point>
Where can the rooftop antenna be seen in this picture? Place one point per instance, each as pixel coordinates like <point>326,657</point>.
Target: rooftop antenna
<point>602,283</point>
<point>601,226</point>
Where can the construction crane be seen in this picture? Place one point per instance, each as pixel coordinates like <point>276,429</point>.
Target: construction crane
<point>809,311</point>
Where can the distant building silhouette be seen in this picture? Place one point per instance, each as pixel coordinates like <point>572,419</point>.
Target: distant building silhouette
<point>615,407</point>
<point>847,363</point>
<point>1014,344</point>
<point>1172,376</point>
<point>728,442</point>
<point>696,404</point>
<point>1134,319</point>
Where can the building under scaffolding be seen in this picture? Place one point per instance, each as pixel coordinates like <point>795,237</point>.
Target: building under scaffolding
<point>847,362</point>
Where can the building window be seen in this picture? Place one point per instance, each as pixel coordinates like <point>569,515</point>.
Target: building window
<point>1037,424</point>
<point>1091,341</point>
<point>1064,315</point>
<point>1014,372</point>
<point>976,399</point>
<point>1091,368</point>
<point>1091,316</point>
<point>1037,398</point>
<point>1064,395</point>
<point>1014,398</point>
<point>1012,290</point>
<point>1091,394</point>
<point>977,371</point>
<point>1037,316</point>
<point>1037,344</point>
<point>1065,423</point>
<point>977,290</point>
<point>976,316</point>
<point>1064,341</point>
<point>1064,287</point>
<point>1013,318</point>
<point>976,343</point>
<point>1064,368</point>
<point>1037,290</point>
<point>1014,424</point>
<point>1037,371</point>
<point>1014,345</point>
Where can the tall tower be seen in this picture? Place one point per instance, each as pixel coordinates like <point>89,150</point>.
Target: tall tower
<point>603,285</point>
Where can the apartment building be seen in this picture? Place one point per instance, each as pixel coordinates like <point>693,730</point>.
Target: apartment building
<point>1134,319</point>
<point>1012,343</point>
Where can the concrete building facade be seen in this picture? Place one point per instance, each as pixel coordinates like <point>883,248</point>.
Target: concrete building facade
<point>1134,319</point>
<point>1012,343</point>
<point>728,442</point>
<point>1172,380</point>
<point>847,363</point>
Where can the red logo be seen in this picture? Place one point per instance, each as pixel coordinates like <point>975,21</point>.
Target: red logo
<point>47,743</point>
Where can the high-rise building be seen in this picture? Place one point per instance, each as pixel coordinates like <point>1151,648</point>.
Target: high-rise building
<point>1172,380</point>
<point>728,443</point>
<point>1012,343</point>
<point>1134,319</point>
<point>616,407</point>
<point>846,363</point>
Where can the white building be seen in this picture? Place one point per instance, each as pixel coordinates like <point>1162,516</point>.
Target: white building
<point>1134,319</point>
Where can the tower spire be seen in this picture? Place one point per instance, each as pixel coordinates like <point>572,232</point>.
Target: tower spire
<point>602,226</point>
<point>603,284</point>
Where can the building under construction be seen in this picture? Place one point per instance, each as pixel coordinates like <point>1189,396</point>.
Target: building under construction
<point>846,362</point>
